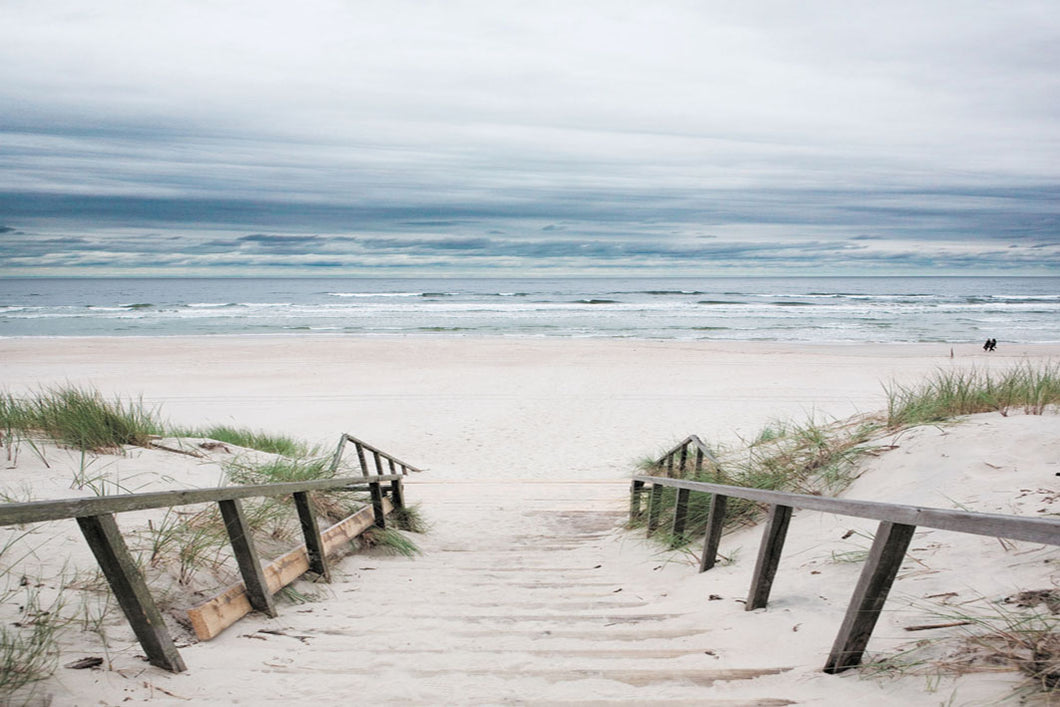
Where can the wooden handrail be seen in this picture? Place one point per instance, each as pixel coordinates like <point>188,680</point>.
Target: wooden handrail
<point>95,516</point>
<point>1035,530</point>
<point>40,511</point>
<point>897,524</point>
<point>680,452</point>
<point>379,455</point>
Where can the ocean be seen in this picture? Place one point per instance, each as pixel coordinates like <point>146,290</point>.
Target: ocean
<point>797,309</point>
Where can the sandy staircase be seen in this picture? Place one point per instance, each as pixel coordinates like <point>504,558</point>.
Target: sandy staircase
<point>526,592</point>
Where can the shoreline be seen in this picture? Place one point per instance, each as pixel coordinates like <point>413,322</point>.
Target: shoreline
<point>443,336</point>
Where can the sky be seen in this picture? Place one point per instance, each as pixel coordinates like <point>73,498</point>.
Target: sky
<point>842,137</point>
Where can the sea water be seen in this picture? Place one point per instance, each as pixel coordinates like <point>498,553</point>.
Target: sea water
<point>806,309</point>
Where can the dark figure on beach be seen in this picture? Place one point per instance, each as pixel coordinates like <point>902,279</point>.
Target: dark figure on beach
<point>990,345</point>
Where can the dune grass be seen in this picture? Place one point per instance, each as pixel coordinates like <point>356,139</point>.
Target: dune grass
<point>811,458</point>
<point>252,439</point>
<point>79,418</point>
<point>816,458</point>
<point>950,394</point>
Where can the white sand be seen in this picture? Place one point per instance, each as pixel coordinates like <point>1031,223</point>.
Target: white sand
<point>508,603</point>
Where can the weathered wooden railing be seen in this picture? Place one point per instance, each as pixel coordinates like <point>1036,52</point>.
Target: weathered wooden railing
<point>378,456</point>
<point>896,528</point>
<point>95,516</point>
<point>692,448</point>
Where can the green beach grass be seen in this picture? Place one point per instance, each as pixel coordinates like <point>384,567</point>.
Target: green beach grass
<point>822,458</point>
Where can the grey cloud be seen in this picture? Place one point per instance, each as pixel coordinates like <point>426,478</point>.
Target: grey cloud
<point>791,136</point>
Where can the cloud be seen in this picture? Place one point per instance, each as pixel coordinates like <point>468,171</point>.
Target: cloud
<point>529,135</point>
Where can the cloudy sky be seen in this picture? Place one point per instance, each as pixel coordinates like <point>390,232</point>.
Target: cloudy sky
<point>759,137</point>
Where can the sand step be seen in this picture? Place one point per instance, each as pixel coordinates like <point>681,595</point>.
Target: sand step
<point>515,600</point>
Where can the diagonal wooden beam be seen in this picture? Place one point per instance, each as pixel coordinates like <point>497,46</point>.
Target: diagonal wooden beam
<point>870,594</point>
<point>102,534</point>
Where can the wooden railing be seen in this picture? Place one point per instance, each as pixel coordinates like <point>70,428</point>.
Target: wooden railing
<point>395,465</point>
<point>896,528</point>
<point>95,516</point>
<point>692,448</point>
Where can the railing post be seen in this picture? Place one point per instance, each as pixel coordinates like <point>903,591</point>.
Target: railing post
<point>768,556</point>
<point>699,460</point>
<point>684,458</point>
<point>247,557</point>
<point>102,534</point>
<point>654,507</point>
<point>715,523</point>
<point>677,530</point>
<point>314,543</point>
<point>636,488</point>
<point>338,454</point>
<point>378,463</point>
<point>670,465</point>
<point>361,458</point>
<point>397,494</point>
<point>377,505</point>
<point>885,559</point>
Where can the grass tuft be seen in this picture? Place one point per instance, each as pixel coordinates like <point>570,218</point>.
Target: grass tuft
<point>810,458</point>
<point>251,439</point>
<point>949,394</point>
<point>79,418</point>
<point>389,541</point>
<point>410,519</point>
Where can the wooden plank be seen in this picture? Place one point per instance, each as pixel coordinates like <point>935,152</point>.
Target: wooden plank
<point>715,524</point>
<point>39,511</point>
<point>361,458</point>
<point>103,536</point>
<point>365,446</point>
<point>773,535</point>
<point>654,507</point>
<point>397,494</point>
<point>337,457</point>
<point>677,530</point>
<point>213,616</point>
<point>870,594</point>
<point>377,505</point>
<point>1036,530</point>
<point>636,488</point>
<point>239,534</point>
<point>318,561</point>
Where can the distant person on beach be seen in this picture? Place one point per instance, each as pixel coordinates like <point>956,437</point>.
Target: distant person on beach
<point>990,345</point>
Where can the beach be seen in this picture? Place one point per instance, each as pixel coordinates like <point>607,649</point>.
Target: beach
<point>494,407</point>
<point>515,431</point>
